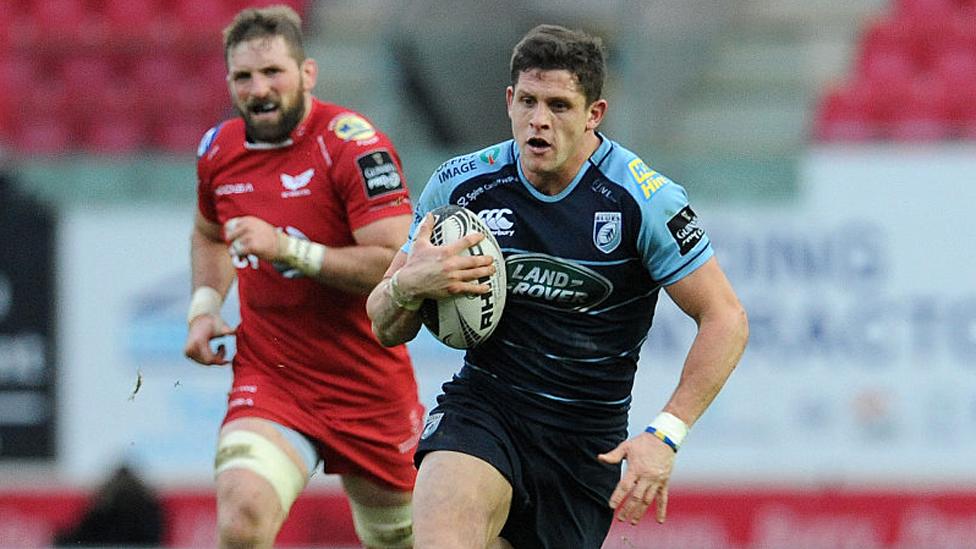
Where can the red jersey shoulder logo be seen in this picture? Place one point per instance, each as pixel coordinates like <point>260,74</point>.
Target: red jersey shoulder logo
<point>297,185</point>
<point>380,173</point>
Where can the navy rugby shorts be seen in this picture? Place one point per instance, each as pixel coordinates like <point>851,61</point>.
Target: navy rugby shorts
<point>560,491</point>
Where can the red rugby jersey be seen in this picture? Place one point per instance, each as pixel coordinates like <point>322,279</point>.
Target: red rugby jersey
<point>338,174</point>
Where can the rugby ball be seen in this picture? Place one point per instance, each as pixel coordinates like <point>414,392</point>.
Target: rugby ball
<point>464,321</point>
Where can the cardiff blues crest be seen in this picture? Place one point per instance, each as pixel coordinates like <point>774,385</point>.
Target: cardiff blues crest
<point>606,231</point>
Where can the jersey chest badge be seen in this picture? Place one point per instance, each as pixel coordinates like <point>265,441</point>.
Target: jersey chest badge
<point>607,231</point>
<point>296,185</point>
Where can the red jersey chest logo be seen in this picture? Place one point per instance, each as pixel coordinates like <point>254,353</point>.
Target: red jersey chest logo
<point>296,185</point>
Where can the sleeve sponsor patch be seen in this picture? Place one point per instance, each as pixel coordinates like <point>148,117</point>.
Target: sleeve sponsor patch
<point>649,180</point>
<point>352,127</point>
<point>380,173</point>
<point>207,140</point>
<point>685,229</point>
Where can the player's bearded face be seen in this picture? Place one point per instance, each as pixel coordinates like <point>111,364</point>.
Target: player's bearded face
<point>271,119</point>
<point>268,87</point>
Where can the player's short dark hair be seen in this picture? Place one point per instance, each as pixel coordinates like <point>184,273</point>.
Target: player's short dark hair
<point>551,47</point>
<point>277,20</point>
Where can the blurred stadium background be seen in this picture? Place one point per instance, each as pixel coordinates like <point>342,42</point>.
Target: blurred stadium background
<point>830,148</point>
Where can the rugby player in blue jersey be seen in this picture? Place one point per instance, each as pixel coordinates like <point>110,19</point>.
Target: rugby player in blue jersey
<point>526,444</point>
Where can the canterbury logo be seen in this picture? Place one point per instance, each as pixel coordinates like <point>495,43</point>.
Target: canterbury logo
<point>496,221</point>
<point>295,182</point>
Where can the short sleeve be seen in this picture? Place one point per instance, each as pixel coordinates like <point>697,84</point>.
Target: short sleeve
<point>205,197</point>
<point>672,241</point>
<point>433,196</point>
<point>368,176</point>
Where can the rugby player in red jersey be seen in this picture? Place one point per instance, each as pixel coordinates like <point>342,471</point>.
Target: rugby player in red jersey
<point>305,203</point>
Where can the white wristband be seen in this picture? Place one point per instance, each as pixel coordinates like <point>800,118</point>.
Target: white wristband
<point>304,255</point>
<point>399,299</point>
<point>669,428</point>
<point>205,301</point>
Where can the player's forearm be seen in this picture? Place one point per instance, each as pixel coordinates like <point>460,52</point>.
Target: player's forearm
<point>393,323</point>
<point>210,263</point>
<point>354,269</point>
<point>716,350</point>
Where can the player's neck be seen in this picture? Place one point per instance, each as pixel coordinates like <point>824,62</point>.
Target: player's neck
<point>553,183</point>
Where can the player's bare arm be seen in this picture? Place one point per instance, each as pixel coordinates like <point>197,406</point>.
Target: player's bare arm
<point>707,297</point>
<point>355,269</point>
<point>212,275</point>
<point>428,272</point>
<point>723,330</point>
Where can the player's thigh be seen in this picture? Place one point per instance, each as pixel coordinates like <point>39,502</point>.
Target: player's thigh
<point>258,470</point>
<point>373,494</point>
<point>381,514</point>
<point>459,493</point>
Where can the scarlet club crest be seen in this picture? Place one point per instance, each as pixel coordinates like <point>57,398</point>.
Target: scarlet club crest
<point>606,231</point>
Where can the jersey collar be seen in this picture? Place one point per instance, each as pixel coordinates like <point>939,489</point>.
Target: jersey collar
<point>598,155</point>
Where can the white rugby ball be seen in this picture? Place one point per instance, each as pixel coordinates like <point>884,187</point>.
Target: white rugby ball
<point>464,321</point>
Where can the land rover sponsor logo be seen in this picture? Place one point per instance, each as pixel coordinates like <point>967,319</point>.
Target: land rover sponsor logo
<point>380,173</point>
<point>555,283</point>
<point>685,229</point>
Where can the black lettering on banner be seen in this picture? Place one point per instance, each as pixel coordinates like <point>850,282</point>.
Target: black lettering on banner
<point>380,173</point>
<point>685,230</point>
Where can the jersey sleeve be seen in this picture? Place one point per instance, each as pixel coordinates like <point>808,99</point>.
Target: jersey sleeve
<point>205,196</point>
<point>672,241</point>
<point>367,173</point>
<point>434,195</point>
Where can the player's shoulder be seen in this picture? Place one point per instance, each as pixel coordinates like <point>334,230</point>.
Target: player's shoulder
<point>490,159</point>
<point>340,125</point>
<point>220,136</point>
<point>625,168</point>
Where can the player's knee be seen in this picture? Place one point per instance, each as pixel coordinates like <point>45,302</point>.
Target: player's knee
<point>383,527</point>
<point>243,524</point>
<point>255,453</point>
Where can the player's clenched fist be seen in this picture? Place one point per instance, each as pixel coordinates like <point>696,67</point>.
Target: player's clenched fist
<point>204,328</point>
<point>251,235</point>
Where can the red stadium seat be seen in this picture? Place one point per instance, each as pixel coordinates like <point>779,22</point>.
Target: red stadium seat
<point>115,136</point>
<point>82,74</point>
<point>62,22</point>
<point>966,124</point>
<point>956,69</point>
<point>919,39</point>
<point>138,22</point>
<point>844,114</point>
<point>885,66</point>
<point>199,21</point>
<point>130,15</point>
<point>44,135</point>
<point>925,114</point>
<point>153,76</point>
<point>179,136</point>
<point>925,9</point>
<point>17,74</point>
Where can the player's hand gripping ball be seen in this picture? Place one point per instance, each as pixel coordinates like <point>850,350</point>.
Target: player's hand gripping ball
<point>464,321</point>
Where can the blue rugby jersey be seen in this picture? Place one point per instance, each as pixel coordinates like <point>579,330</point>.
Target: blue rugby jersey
<point>584,271</point>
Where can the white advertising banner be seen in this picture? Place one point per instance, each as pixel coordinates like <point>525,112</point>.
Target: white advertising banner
<point>861,366</point>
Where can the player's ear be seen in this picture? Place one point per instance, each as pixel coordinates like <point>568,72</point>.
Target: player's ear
<point>509,94</point>
<point>597,110</point>
<point>310,73</point>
